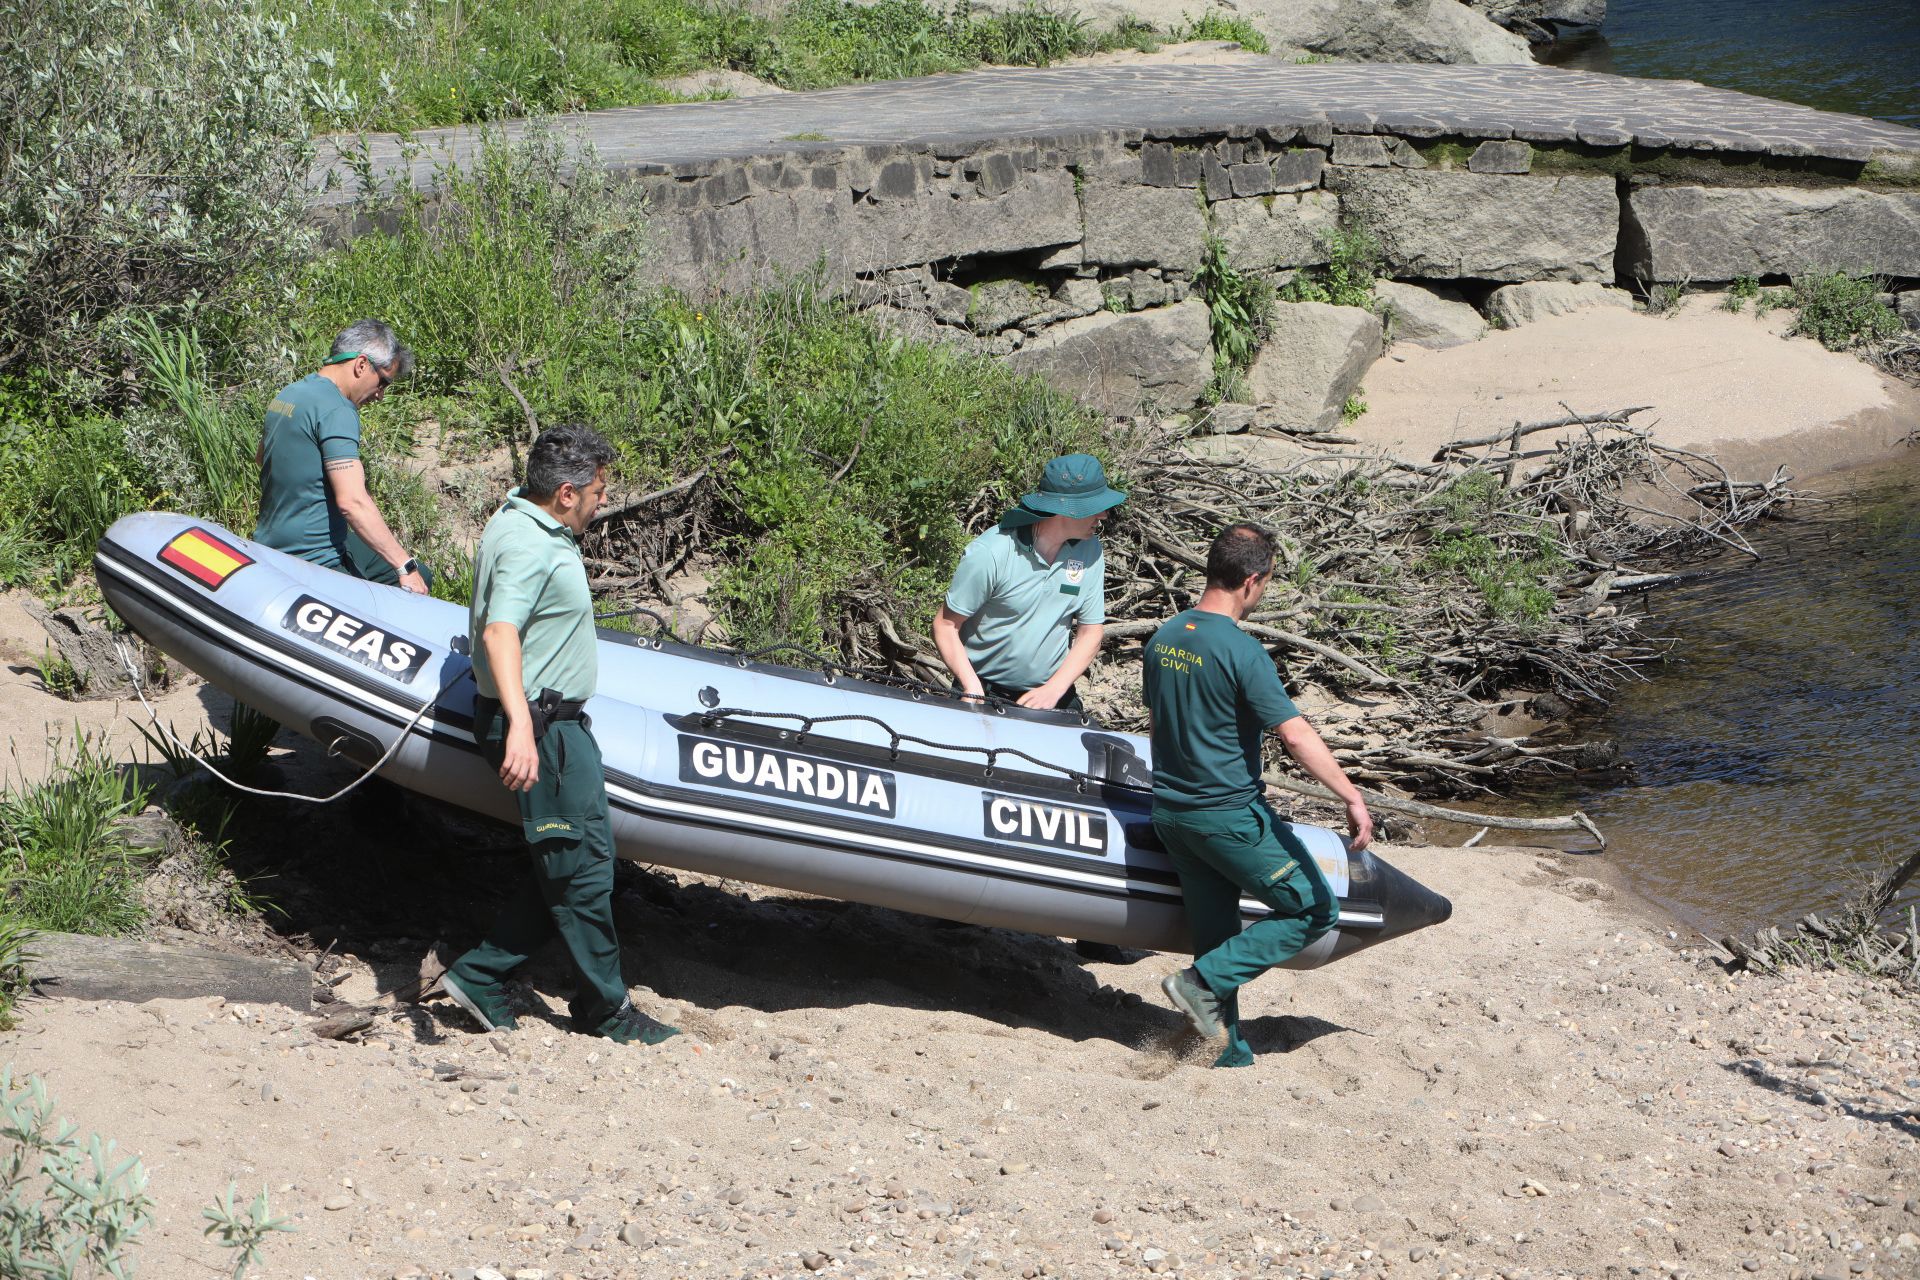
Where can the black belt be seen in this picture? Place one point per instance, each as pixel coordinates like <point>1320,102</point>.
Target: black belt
<point>547,709</point>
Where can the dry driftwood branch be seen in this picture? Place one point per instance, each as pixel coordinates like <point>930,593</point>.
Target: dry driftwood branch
<point>646,500</point>
<point>1575,821</point>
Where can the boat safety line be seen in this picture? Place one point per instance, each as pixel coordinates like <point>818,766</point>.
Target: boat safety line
<point>333,748</point>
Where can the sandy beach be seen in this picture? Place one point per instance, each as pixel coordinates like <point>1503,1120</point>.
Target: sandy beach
<point>1555,1083</point>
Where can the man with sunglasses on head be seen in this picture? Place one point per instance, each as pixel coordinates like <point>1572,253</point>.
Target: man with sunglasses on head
<point>314,501</point>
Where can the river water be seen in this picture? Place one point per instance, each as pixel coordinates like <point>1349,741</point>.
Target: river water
<point>1859,56</point>
<point>1776,753</point>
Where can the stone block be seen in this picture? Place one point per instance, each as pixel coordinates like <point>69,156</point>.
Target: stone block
<point>1119,364</point>
<point>1250,179</point>
<point>1287,231</point>
<point>1908,307</point>
<point>949,303</point>
<point>1435,318</point>
<point>1717,233</point>
<point>1454,225</point>
<point>1001,304</point>
<point>1158,167</point>
<point>1130,226</point>
<point>1501,157</point>
<point>1038,213</point>
<point>1076,298</point>
<point>1299,170</point>
<point>1363,149</point>
<point>1213,177</point>
<point>1313,359</point>
<point>1513,305</point>
<point>1187,168</point>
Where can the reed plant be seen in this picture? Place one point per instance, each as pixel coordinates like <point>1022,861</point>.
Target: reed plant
<point>64,863</point>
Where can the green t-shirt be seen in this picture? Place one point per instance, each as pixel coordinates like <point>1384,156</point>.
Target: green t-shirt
<point>1020,610</point>
<point>529,573</point>
<point>1213,693</point>
<point>308,425</point>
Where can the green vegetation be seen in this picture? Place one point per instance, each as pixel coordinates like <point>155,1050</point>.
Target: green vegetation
<point>1511,574</point>
<point>16,957</point>
<point>1665,299</point>
<point>1842,311</point>
<point>1352,408</point>
<point>73,1209</point>
<point>1239,309</point>
<point>1743,290</point>
<point>1217,24</point>
<point>1348,278</point>
<point>65,865</point>
<point>435,63</point>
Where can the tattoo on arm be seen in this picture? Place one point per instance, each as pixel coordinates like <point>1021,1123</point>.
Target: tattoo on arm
<point>337,464</point>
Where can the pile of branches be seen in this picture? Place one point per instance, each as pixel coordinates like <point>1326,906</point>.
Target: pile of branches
<point>1855,937</point>
<point>1417,596</point>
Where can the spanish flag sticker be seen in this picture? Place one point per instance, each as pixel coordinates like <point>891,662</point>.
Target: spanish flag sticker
<point>204,558</point>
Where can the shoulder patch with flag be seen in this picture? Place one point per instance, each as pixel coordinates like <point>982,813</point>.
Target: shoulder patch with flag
<point>206,559</point>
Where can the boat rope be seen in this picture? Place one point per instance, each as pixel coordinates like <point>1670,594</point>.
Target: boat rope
<point>332,748</point>
<point>1082,780</point>
<point>830,667</point>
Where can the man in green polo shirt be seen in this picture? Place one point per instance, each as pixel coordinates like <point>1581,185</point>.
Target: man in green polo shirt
<point>1213,693</point>
<point>314,501</point>
<point>1028,605</point>
<point>535,663</point>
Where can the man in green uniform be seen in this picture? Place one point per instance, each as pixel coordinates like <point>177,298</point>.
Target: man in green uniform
<point>535,664</point>
<point>313,488</point>
<point>1213,693</point>
<point>1027,608</point>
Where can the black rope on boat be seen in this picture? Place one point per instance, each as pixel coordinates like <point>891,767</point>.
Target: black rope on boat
<point>1082,780</point>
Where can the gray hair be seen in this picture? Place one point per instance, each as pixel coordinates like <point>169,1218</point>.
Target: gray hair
<point>374,339</point>
<point>565,455</point>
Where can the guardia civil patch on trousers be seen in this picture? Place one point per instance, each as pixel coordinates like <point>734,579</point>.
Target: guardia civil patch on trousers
<point>787,775</point>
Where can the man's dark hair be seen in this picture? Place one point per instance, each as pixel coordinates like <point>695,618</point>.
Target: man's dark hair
<point>1237,554</point>
<point>565,455</point>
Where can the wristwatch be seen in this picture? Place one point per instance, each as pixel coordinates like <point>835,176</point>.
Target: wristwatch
<point>411,566</point>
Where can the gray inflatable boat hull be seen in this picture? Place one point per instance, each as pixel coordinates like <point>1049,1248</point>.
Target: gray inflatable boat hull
<point>1037,821</point>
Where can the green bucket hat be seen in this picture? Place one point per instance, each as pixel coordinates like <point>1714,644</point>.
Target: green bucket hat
<point>1075,486</point>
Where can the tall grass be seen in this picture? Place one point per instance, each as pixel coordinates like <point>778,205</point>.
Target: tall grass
<point>406,64</point>
<point>64,865</point>
<point>218,439</point>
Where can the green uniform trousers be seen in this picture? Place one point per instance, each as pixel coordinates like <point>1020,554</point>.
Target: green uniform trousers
<point>571,839</point>
<point>1220,855</point>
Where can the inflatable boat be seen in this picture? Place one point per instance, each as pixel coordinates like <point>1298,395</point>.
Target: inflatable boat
<point>815,781</point>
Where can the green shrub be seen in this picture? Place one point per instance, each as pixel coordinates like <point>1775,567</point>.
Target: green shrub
<point>1842,311</point>
<point>152,158</point>
<point>1348,278</point>
<point>845,453</point>
<point>16,957</point>
<point>522,268</point>
<point>67,1209</point>
<point>217,441</point>
<point>1217,24</point>
<point>1239,309</point>
<point>62,483</point>
<point>64,864</point>
<point>1743,290</point>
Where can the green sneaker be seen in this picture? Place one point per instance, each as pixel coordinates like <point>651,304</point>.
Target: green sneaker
<point>1192,996</point>
<point>628,1025</point>
<point>485,1005</point>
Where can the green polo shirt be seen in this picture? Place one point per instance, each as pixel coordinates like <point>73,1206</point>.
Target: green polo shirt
<point>308,425</point>
<point>1213,693</point>
<point>529,574</point>
<point>1020,610</point>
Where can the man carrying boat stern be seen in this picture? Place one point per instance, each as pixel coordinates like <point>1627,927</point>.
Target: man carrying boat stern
<point>535,664</point>
<point>1213,692</point>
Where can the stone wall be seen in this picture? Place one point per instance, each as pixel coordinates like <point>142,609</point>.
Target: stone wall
<point>1075,256</point>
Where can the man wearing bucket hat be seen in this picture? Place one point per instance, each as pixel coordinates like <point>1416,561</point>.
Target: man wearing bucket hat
<point>1024,616</point>
<point>314,501</point>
